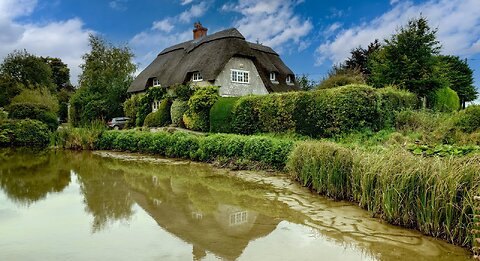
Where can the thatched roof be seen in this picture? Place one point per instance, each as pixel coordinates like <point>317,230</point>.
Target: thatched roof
<point>209,55</point>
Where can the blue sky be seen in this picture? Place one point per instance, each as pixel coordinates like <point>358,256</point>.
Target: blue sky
<point>309,35</point>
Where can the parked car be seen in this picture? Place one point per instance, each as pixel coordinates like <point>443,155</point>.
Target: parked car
<point>118,123</point>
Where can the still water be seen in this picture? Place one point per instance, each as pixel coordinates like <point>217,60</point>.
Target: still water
<point>63,205</point>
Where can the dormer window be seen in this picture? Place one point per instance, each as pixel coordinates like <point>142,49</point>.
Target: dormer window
<point>289,79</point>
<point>273,77</point>
<point>197,77</point>
<point>156,82</point>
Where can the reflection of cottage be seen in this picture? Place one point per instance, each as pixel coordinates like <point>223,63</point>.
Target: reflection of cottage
<point>222,59</point>
<point>224,230</point>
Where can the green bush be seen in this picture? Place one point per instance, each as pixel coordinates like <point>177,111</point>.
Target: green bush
<point>33,111</point>
<point>79,138</point>
<point>161,117</point>
<point>199,105</point>
<point>131,107</point>
<point>342,78</point>
<point>221,115</point>
<point>179,107</point>
<point>392,101</point>
<point>38,96</point>
<point>444,100</point>
<point>245,115</point>
<point>275,112</point>
<point>3,114</point>
<point>24,133</point>
<point>145,108</point>
<point>182,92</point>
<point>326,167</point>
<point>469,119</point>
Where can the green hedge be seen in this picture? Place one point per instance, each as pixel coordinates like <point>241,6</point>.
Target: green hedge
<point>33,111</point>
<point>161,117</point>
<point>432,195</point>
<point>469,119</point>
<point>444,100</point>
<point>20,133</point>
<point>320,113</point>
<point>199,105</point>
<point>177,110</point>
<point>221,115</point>
<point>271,151</point>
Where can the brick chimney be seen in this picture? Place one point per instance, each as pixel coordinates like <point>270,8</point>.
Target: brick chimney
<point>199,30</point>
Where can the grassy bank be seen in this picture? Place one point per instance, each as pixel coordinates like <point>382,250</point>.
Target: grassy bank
<point>431,194</point>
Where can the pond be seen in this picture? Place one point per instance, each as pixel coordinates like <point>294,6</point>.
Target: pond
<point>62,205</point>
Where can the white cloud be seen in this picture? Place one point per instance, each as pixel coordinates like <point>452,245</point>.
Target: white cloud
<point>458,23</point>
<point>67,40</point>
<point>186,2</point>
<point>195,11</point>
<point>272,23</point>
<point>119,5</point>
<point>164,25</point>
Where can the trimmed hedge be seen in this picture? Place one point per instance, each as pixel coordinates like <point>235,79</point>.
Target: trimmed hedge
<point>161,117</point>
<point>199,105</point>
<point>177,110</point>
<point>20,133</point>
<point>445,100</point>
<point>271,151</point>
<point>221,115</point>
<point>33,111</point>
<point>320,113</point>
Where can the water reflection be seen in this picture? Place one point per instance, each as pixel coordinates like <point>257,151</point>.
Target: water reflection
<point>215,215</point>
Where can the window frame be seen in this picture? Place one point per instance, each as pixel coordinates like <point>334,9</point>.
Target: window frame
<point>197,77</point>
<point>156,82</point>
<point>289,80</point>
<point>240,74</point>
<point>273,77</point>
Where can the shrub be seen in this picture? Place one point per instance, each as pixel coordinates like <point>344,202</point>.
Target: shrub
<point>131,107</point>
<point>326,167</point>
<point>245,115</point>
<point>444,100</point>
<point>19,133</point>
<point>183,92</point>
<point>221,115</point>
<point>199,104</point>
<point>3,114</point>
<point>34,111</point>
<point>145,108</point>
<point>342,78</point>
<point>85,138</point>
<point>469,119</point>
<point>393,100</point>
<point>38,96</point>
<point>177,110</point>
<point>275,112</point>
<point>161,117</point>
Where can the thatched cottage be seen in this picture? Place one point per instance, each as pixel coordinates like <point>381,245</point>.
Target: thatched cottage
<point>223,59</point>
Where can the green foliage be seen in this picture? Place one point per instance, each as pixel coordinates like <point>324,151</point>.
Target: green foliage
<point>394,100</point>
<point>9,88</point>
<point>442,150</point>
<point>131,107</point>
<point>359,58</point>
<point>79,138</point>
<point>23,133</point>
<point>161,117</point>
<point>3,114</point>
<point>469,119</point>
<point>245,115</point>
<point>444,100</point>
<point>459,77</point>
<point>28,70</point>
<point>341,77</point>
<point>33,111</point>
<point>60,73</point>
<point>323,166</point>
<point>221,115</point>
<point>38,96</point>
<point>407,59</point>
<point>199,104</point>
<point>151,95</point>
<point>179,107</point>
<point>305,83</point>
<point>106,75</point>
<point>183,92</point>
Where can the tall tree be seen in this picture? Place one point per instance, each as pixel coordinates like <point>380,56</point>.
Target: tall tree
<point>459,77</point>
<point>359,57</point>
<point>407,59</point>
<point>27,69</point>
<point>60,73</point>
<point>107,72</point>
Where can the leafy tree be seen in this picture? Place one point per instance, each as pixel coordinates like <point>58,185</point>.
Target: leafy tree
<point>305,83</point>
<point>360,56</point>
<point>27,69</point>
<point>341,76</point>
<point>60,73</point>
<point>407,59</point>
<point>106,75</point>
<point>459,76</point>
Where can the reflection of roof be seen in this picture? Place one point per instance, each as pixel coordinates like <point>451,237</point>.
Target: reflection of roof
<point>209,233</point>
<point>209,55</point>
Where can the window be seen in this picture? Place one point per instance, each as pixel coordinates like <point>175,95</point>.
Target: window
<point>240,76</point>
<point>197,77</point>
<point>289,79</point>
<point>238,218</point>
<point>156,82</point>
<point>155,105</point>
<point>273,77</point>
